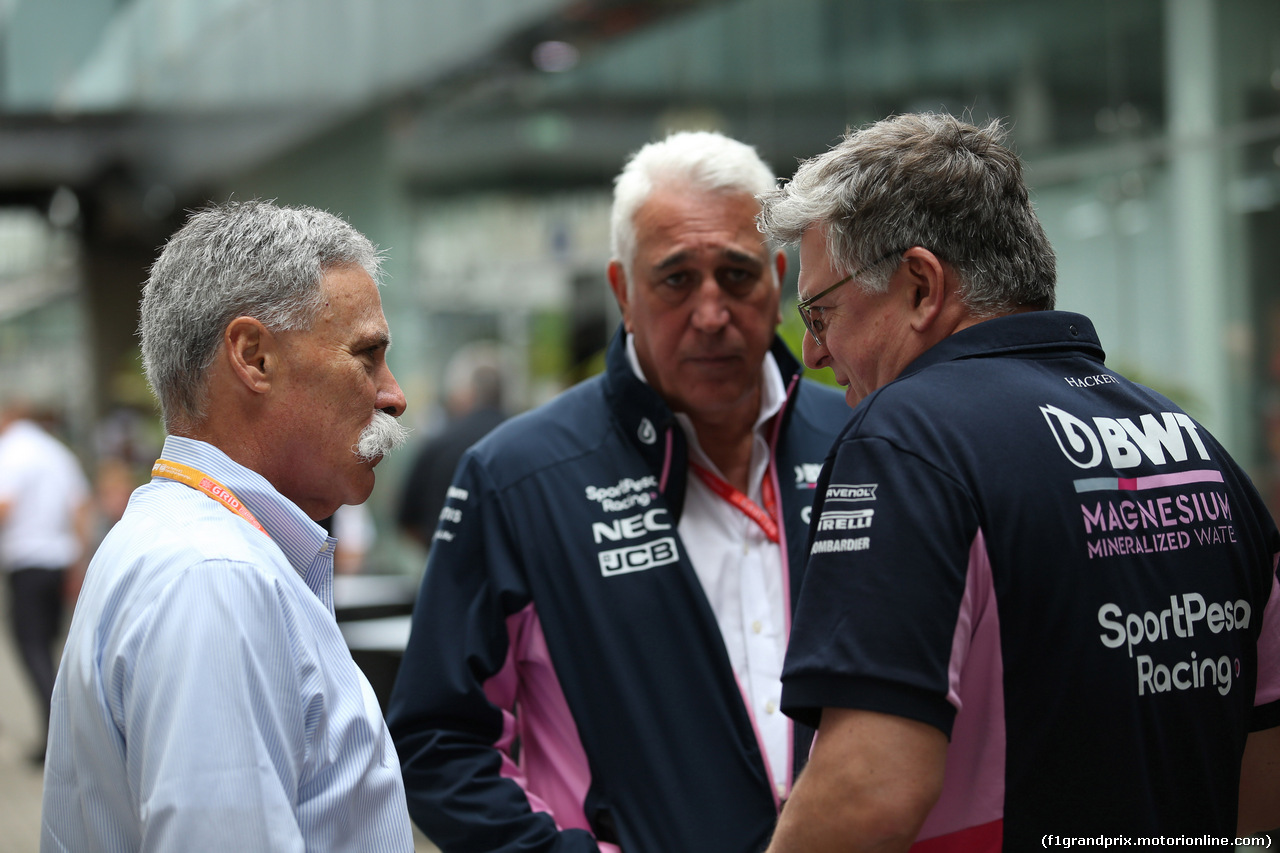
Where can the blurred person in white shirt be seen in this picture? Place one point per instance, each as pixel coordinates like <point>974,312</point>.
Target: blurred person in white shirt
<point>45,519</point>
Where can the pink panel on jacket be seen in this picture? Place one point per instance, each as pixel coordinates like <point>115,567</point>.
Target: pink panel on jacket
<point>553,769</point>
<point>973,787</point>
<point>1269,649</point>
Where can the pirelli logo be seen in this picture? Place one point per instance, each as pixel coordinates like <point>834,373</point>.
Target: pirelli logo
<point>638,558</point>
<point>856,519</point>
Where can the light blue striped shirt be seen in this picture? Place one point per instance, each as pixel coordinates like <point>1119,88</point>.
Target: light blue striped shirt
<point>206,699</point>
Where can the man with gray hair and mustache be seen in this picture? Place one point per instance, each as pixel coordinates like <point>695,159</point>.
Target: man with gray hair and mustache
<point>206,698</point>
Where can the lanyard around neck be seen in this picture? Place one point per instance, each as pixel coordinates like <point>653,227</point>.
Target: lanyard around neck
<point>764,517</point>
<point>202,482</point>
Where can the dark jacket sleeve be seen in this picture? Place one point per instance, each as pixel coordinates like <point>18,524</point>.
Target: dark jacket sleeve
<point>446,730</point>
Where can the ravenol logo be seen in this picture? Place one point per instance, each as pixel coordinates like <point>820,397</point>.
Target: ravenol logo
<point>865,492</point>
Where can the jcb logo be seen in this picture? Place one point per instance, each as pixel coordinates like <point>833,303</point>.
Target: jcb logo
<point>637,558</point>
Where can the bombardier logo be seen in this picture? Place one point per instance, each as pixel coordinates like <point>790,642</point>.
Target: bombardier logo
<point>1157,437</point>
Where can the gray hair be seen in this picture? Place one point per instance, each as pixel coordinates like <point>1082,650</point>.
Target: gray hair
<point>250,258</point>
<point>923,180</point>
<point>696,160</point>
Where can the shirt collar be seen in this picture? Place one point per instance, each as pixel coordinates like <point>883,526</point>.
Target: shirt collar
<point>300,538</point>
<point>773,394</point>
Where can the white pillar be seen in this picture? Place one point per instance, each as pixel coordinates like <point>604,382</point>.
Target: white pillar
<point>1198,214</point>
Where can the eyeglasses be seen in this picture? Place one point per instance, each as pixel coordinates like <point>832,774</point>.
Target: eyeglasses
<point>815,324</point>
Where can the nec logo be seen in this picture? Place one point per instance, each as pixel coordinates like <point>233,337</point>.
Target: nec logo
<point>635,558</point>
<point>632,527</point>
<point>1156,437</point>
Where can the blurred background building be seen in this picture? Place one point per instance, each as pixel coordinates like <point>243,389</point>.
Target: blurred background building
<point>475,140</point>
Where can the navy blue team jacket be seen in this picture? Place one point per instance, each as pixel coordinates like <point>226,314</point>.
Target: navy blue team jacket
<point>570,512</point>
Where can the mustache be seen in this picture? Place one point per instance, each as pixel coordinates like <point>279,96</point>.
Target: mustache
<point>383,435</point>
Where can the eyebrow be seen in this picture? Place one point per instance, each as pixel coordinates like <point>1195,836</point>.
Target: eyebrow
<point>745,259</point>
<point>733,255</point>
<point>800,300</point>
<point>379,339</point>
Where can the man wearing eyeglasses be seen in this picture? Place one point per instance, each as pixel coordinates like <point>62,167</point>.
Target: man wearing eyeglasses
<point>1041,600</point>
<point>610,584</point>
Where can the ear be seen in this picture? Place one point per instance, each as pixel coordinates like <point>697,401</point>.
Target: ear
<point>927,287</point>
<point>618,284</point>
<point>251,351</point>
<point>780,271</point>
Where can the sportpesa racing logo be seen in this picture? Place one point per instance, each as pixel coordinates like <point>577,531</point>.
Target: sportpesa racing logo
<point>627,493</point>
<point>1165,634</point>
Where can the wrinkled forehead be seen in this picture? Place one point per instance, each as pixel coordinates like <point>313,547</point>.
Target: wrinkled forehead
<point>680,217</point>
<point>350,300</point>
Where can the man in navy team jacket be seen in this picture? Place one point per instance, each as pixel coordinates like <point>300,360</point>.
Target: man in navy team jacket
<point>610,584</point>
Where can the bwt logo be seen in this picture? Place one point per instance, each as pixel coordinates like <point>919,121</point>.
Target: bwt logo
<point>1158,438</point>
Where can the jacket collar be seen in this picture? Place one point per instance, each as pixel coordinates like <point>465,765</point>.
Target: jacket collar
<point>650,425</point>
<point>1034,331</point>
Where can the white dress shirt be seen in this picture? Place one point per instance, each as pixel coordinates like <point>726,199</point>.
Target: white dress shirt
<point>206,699</point>
<point>742,575</point>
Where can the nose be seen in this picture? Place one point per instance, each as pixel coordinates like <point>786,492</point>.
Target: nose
<point>710,310</point>
<point>390,398</point>
<point>815,357</point>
